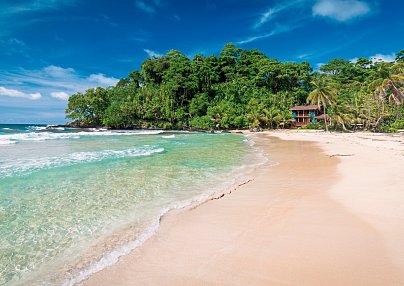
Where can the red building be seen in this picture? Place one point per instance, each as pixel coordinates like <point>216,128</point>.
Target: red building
<point>303,115</point>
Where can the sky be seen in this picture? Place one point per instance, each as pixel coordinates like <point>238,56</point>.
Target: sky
<point>50,49</point>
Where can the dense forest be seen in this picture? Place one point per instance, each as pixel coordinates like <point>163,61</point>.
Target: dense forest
<point>245,89</point>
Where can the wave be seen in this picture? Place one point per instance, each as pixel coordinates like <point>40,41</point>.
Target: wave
<point>44,136</point>
<point>42,128</point>
<point>36,128</point>
<point>25,166</point>
<point>79,272</point>
<point>111,257</point>
<point>239,176</point>
<point>55,128</point>
<point>7,130</point>
<point>6,142</point>
<point>98,129</point>
<point>168,136</point>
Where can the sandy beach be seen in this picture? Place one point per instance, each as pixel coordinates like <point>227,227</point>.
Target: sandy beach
<point>327,209</point>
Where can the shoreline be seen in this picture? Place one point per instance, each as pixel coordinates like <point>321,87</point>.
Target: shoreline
<point>191,229</point>
<point>243,175</point>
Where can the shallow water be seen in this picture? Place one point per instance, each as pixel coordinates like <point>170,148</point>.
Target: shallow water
<point>65,194</point>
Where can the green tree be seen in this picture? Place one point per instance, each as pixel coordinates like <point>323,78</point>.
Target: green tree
<point>400,56</point>
<point>389,83</point>
<point>88,108</point>
<point>244,88</point>
<point>322,95</point>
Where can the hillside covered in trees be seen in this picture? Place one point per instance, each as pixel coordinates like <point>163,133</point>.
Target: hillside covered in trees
<point>245,89</point>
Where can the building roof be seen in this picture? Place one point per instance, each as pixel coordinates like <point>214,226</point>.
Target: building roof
<point>320,117</point>
<point>305,107</point>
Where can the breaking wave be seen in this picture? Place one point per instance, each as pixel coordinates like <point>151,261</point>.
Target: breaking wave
<point>10,168</point>
<point>44,136</point>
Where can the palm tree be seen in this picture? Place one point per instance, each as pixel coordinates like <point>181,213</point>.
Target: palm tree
<point>270,116</point>
<point>322,95</point>
<point>341,114</point>
<point>390,83</point>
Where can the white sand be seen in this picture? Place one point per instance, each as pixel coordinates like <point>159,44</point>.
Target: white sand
<point>311,220</point>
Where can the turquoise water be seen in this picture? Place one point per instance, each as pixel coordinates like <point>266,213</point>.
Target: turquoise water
<point>73,201</point>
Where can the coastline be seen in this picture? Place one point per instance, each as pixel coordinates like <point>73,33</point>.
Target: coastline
<point>291,224</point>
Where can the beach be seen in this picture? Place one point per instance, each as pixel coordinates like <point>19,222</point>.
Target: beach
<point>72,201</point>
<point>326,209</point>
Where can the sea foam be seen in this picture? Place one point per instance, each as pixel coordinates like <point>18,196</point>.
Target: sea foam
<point>36,128</point>
<point>168,136</point>
<point>10,168</point>
<point>44,136</point>
<point>109,196</point>
<point>6,142</point>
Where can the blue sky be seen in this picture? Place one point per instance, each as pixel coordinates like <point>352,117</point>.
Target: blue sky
<point>50,49</point>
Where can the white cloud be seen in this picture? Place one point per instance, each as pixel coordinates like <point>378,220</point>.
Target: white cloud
<point>340,10</point>
<point>319,65</point>
<point>60,95</point>
<point>255,38</point>
<point>12,42</point>
<point>152,53</point>
<point>378,58</point>
<point>284,24</point>
<point>59,72</point>
<point>145,7</point>
<point>383,58</point>
<point>53,81</point>
<point>264,18</point>
<point>303,56</point>
<point>12,46</point>
<point>102,80</point>
<point>276,31</point>
<point>354,60</point>
<point>272,12</point>
<point>16,93</point>
<point>37,6</point>
<point>149,6</point>
<point>14,14</point>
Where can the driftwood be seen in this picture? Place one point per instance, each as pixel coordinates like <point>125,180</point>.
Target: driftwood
<point>229,192</point>
<point>246,182</point>
<point>220,196</point>
<point>340,155</point>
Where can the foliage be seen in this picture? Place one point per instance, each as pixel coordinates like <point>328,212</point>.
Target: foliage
<point>323,94</point>
<point>314,126</point>
<point>245,89</point>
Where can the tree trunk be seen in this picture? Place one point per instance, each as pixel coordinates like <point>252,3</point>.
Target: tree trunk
<point>325,119</point>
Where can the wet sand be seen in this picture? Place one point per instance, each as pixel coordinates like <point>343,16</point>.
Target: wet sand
<point>330,213</point>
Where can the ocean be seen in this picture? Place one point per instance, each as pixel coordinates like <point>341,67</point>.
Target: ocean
<point>73,201</point>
